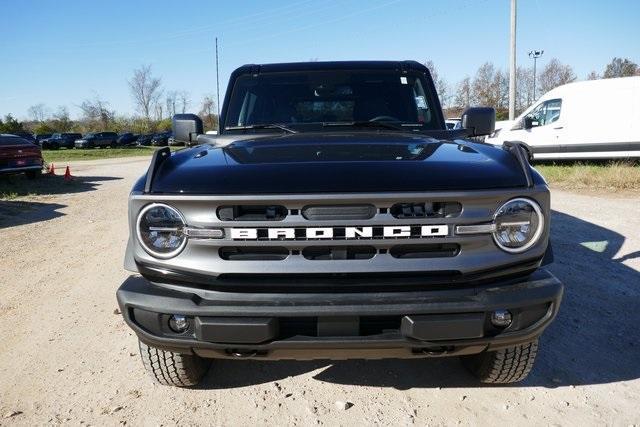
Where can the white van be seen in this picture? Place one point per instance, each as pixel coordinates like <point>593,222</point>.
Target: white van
<point>594,119</point>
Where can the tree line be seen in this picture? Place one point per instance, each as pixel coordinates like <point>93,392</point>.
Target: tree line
<point>154,108</point>
<point>489,86</point>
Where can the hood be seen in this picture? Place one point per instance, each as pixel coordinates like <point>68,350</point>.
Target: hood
<point>337,162</point>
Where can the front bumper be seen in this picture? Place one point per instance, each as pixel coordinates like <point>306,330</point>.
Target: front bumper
<point>453,321</point>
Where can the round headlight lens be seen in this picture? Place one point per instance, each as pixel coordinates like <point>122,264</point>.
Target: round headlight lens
<point>519,225</point>
<point>160,230</point>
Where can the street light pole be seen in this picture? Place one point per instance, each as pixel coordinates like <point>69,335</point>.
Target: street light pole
<point>535,54</point>
<point>512,68</point>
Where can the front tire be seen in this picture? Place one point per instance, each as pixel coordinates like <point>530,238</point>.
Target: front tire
<point>509,365</point>
<point>175,369</point>
<point>33,174</point>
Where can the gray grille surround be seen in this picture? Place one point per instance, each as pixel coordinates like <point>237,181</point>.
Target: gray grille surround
<point>478,252</point>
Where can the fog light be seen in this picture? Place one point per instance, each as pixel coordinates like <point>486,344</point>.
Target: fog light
<point>178,323</point>
<point>501,318</point>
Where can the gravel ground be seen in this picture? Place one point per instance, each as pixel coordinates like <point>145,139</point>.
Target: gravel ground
<point>66,356</point>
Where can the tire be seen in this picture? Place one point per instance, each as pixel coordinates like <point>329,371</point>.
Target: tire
<point>509,365</point>
<point>175,369</point>
<point>33,174</point>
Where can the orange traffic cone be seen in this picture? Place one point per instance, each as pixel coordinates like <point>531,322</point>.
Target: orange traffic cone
<point>67,174</point>
<point>52,170</point>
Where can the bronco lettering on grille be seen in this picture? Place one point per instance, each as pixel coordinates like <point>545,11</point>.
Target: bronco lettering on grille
<point>291,233</point>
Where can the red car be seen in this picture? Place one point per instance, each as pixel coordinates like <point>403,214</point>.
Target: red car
<point>18,155</point>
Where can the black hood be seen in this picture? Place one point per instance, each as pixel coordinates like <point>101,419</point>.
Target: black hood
<point>337,162</point>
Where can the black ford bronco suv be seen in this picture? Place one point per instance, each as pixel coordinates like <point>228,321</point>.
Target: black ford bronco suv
<point>335,217</point>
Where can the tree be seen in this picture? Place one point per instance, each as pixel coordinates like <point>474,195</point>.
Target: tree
<point>555,74</point>
<point>490,88</point>
<point>462,97</point>
<point>171,101</point>
<point>524,88</point>
<point>184,100</point>
<point>96,113</point>
<point>208,113</point>
<point>61,121</point>
<point>619,67</point>
<point>442,88</point>
<point>38,112</point>
<point>10,125</point>
<point>593,76</point>
<point>145,90</point>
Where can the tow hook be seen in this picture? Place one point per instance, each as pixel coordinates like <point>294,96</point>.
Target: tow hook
<point>242,354</point>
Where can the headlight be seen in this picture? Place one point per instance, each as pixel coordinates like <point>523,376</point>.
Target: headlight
<point>518,225</point>
<point>161,230</point>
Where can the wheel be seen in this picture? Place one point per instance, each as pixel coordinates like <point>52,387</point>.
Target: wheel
<point>33,174</point>
<point>509,365</point>
<point>169,368</point>
<point>54,146</point>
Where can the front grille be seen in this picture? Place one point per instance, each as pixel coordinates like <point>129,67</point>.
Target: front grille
<point>271,242</point>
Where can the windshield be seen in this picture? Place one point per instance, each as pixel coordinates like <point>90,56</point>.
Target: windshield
<point>335,96</point>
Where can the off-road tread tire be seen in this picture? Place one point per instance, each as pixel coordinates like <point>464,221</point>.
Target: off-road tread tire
<point>174,369</point>
<point>509,365</point>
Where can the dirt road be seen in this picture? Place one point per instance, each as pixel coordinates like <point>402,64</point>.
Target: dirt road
<point>66,357</point>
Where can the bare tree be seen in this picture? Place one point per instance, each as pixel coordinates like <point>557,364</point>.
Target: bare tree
<point>619,67</point>
<point>489,87</point>
<point>208,112</point>
<point>184,100</point>
<point>524,88</point>
<point>96,112</point>
<point>146,90</point>
<point>462,98</point>
<point>555,74</point>
<point>593,76</point>
<point>61,120</point>
<point>38,112</point>
<point>442,88</point>
<point>171,101</point>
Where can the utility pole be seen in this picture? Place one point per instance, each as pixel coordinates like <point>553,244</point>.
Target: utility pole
<point>512,65</point>
<point>535,54</point>
<point>217,88</point>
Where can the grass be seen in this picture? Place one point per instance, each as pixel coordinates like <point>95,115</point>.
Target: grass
<point>595,175</point>
<point>65,155</point>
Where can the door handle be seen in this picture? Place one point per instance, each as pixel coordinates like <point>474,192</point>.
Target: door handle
<point>559,127</point>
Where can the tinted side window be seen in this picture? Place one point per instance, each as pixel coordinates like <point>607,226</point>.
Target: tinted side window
<point>13,140</point>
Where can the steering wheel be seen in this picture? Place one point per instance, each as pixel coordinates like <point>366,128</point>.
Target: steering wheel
<point>384,119</point>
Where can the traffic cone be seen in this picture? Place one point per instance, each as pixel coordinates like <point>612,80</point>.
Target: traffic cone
<point>67,174</point>
<point>52,170</point>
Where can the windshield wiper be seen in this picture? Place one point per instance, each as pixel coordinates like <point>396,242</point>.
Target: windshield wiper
<point>368,123</point>
<point>262,126</point>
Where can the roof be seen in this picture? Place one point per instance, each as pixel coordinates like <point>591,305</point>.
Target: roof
<point>331,65</point>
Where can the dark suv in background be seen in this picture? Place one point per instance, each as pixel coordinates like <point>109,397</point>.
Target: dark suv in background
<point>128,138</point>
<point>98,139</point>
<point>58,140</point>
<point>161,139</point>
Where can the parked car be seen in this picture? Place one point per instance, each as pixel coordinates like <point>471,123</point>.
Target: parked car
<point>580,120</point>
<point>145,140</point>
<point>98,139</point>
<point>18,155</point>
<point>161,139</point>
<point>174,142</point>
<point>128,138</point>
<point>26,135</point>
<point>40,137</point>
<point>59,140</point>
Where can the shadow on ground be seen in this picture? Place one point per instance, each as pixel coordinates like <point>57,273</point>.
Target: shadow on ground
<point>12,186</point>
<point>19,212</point>
<point>594,340</point>
<point>14,213</point>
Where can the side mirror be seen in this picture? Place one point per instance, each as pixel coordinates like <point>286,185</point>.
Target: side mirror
<point>529,122</point>
<point>186,127</point>
<point>479,121</point>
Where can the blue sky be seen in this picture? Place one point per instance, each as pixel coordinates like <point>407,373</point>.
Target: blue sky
<point>62,52</point>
